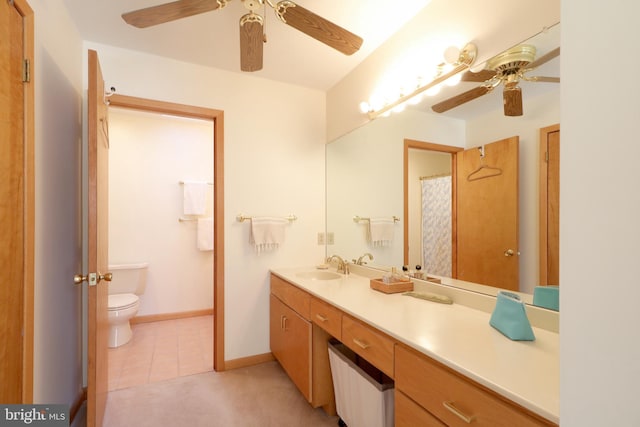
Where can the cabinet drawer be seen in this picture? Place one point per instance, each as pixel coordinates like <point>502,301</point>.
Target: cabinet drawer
<point>294,297</point>
<point>453,399</point>
<point>327,317</point>
<point>409,414</point>
<point>373,346</point>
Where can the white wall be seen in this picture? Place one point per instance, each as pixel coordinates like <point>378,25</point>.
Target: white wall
<point>149,155</point>
<point>58,135</point>
<point>365,178</point>
<point>540,111</point>
<point>273,165</point>
<point>599,211</point>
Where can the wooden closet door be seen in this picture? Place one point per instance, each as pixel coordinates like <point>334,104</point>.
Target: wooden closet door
<point>487,215</point>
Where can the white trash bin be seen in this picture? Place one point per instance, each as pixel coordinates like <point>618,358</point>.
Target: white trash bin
<point>364,395</point>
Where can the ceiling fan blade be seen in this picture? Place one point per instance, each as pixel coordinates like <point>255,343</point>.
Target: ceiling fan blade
<point>544,58</point>
<point>512,99</point>
<point>251,42</point>
<point>167,12</point>
<point>457,100</point>
<point>317,27</point>
<point>479,77</point>
<point>543,79</point>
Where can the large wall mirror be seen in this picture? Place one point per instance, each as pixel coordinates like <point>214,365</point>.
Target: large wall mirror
<point>366,168</point>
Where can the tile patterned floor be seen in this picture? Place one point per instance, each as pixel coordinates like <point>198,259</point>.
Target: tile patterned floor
<point>162,350</point>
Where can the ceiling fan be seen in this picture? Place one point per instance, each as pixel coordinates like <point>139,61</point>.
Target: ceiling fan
<point>508,68</point>
<point>252,35</point>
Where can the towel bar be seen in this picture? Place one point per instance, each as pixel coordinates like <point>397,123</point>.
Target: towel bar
<point>242,218</point>
<point>359,218</point>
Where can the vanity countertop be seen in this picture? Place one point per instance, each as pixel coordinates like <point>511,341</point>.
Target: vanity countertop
<point>456,335</point>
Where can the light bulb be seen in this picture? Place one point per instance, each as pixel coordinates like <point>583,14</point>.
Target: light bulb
<point>365,107</point>
<point>432,91</point>
<point>453,80</point>
<point>451,55</point>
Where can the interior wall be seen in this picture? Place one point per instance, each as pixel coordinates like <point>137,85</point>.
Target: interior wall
<point>599,211</point>
<point>57,77</point>
<point>273,165</point>
<point>149,155</point>
<point>540,111</point>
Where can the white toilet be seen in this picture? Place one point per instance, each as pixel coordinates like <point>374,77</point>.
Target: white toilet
<point>128,283</point>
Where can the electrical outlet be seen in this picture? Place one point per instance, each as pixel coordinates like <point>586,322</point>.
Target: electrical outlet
<point>330,239</point>
<point>321,238</point>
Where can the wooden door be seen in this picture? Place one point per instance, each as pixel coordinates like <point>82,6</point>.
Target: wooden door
<point>12,191</point>
<point>98,327</point>
<point>550,206</point>
<point>487,215</point>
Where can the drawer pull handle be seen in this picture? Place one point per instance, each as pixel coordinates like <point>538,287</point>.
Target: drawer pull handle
<point>283,323</point>
<point>464,417</point>
<point>361,344</point>
<point>321,317</point>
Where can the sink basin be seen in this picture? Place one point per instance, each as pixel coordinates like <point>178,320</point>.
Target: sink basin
<point>318,275</point>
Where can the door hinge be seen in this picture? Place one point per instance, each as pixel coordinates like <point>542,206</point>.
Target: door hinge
<point>546,156</point>
<point>26,71</point>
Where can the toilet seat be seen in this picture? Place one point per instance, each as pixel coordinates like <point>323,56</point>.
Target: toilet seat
<point>122,301</point>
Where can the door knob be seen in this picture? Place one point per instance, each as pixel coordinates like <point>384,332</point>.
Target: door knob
<point>92,278</point>
<point>508,252</point>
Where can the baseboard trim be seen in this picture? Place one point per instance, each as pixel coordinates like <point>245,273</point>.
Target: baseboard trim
<point>77,404</point>
<point>171,316</point>
<point>245,362</point>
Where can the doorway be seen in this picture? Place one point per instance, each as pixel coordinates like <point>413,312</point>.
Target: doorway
<point>153,158</point>
<point>217,117</point>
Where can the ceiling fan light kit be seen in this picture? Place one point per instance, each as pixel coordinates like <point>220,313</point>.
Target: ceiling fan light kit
<point>252,37</point>
<point>465,59</point>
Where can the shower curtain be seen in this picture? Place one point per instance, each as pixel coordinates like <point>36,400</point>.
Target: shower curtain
<point>436,225</point>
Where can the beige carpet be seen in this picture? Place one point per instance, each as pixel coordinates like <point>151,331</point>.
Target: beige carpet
<point>259,396</point>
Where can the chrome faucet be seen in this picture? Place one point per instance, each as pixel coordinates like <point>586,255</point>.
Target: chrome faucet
<point>360,261</point>
<point>343,266</point>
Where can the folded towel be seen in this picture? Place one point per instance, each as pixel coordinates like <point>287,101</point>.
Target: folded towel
<point>267,233</point>
<point>205,234</point>
<point>381,231</point>
<point>195,197</point>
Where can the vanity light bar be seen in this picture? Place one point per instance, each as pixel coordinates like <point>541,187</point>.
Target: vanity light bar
<point>465,60</point>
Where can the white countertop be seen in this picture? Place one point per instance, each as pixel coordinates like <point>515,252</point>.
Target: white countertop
<point>455,335</point>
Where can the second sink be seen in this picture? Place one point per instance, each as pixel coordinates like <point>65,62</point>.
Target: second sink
<point>318,275</point>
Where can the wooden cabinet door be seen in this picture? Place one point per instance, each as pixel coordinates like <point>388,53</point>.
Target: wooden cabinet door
<point>487,215</point>
<point>290,338</point>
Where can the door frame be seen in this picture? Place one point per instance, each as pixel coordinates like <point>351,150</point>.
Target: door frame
<point>543,201</point>
<point>217,117</point>
<point>430,146</point>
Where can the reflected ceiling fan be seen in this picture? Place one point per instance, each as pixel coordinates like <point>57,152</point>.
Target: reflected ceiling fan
<point>508,68</point>
<point>252,35</point>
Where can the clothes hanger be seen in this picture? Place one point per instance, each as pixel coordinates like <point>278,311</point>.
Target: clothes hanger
<point>492,171</point>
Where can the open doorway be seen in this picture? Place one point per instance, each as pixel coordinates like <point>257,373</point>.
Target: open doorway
<point>216,117</point>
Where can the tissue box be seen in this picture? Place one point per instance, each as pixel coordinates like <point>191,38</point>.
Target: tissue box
<point>390,288</point>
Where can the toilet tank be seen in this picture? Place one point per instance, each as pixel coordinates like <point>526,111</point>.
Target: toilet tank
<point>128,278</point>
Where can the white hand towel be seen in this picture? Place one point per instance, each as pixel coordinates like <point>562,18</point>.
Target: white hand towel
<point>195,197</point>
<point>267,233</point>
<point>205,234</point>
<point>381,231</point>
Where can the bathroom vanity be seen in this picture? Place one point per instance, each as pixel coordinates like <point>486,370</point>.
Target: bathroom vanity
<point>449,365</point>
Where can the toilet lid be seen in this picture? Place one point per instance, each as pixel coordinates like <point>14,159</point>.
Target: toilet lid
<point>120,301</point>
